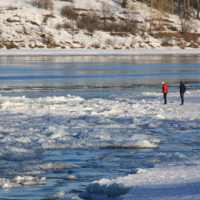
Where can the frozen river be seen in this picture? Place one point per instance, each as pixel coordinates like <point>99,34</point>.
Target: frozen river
<point>68,121</point>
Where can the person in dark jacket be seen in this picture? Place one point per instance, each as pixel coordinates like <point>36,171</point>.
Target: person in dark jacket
<point>165,90</point>
<point>182,91</point>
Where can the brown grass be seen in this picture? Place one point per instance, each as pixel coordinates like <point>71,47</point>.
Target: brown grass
<point>185,36</point>
<point>68,1</point>
<point>142,46</point>
<point>167,44</point>
<point>34,23</point>
<point>181,44</point>
<point>121,34</point>
<point>59,26</point>
<point>12,20</point>
<point>95,45</point>
<point>80,9</point>
<point>40,46</point>
<point>163,20</point>
<point>172,28</point>
<point>193,45</point>
<point>162,28</point>
<point>67,25</point>
<point>11,45</point>
<point>107,18</point>
<point>47,17</point>
<point>115,47</point>
<point>50,46</point>
<point>151,46</point>
<point>12,8</point>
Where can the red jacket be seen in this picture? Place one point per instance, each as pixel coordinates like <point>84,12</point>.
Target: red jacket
<point>164,88</point>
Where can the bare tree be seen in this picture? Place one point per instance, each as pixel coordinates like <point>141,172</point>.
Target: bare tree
<point>186,25</point>
<point>106,12</point>
<point>160,9</point>
<point>188,8</point>
<point>46,4</point>
<point>123,3</point>
<point>197,6</point>
<point>36,3</point>
<point>151,12</point>
<point>131,25</point>
<point>184,11</point>
<point>1,31</point>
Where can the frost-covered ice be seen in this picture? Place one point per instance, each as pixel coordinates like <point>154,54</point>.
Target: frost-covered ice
<point>62,122</point>
<point>55,196</point>
<point>165,181</point>
<point>97,52</point>
<point>127,121</point>
<point>168,180</point>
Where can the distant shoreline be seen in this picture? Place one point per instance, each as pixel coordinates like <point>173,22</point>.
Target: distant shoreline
<point>99,52</point>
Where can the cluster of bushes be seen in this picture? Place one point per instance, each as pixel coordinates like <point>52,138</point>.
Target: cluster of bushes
<point>65,25</point>
<point>1,46</point>
<point>71,1</point>
<point>45,4</point>
<point>69,12</point>
<point>92,21</point>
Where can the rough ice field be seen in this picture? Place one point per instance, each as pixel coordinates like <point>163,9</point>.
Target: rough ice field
<point>30,125</point>
<point>75,123</point>
<point>169,180</point>
<point>163,182</point>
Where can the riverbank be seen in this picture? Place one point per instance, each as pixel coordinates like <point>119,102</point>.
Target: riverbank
<point>95,52</point>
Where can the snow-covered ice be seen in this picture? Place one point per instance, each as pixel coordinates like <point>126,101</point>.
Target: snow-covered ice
<point>178,179</point>
<point>166,181</point>
<point>100,52</point>
<point>48,123</point>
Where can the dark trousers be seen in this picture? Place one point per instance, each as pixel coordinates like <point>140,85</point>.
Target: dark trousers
<point>182,97</point>
<point>165,98</point>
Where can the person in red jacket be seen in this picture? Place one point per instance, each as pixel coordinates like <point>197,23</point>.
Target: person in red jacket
<point>165,90</point>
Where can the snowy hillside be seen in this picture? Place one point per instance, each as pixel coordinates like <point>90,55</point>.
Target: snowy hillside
<point>92,24</point>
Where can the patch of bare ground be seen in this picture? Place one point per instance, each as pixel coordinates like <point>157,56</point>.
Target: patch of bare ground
<point>34,23</point>
<point>95,45</point>
<point>188,37</point>
<point>115,47</point>
<point>163,20</point>
<point>121,34</point>
<point>172,28</point>
<point>161,27</point>
<point>149,43</point>
<point>182,44</point>
<point>12,20</point>
<point>166,44</point>
<point>142,46</point>
<point>10,45</point>
<point>193,45</point>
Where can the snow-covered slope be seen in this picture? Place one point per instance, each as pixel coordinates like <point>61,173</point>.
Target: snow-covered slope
<point>25,26</point>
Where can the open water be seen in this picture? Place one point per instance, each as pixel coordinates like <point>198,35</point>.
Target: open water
<point>67,121</point>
